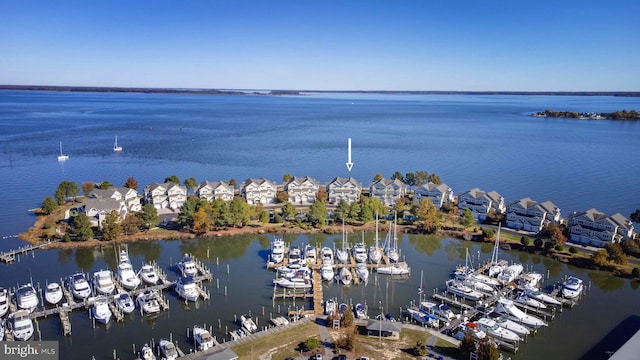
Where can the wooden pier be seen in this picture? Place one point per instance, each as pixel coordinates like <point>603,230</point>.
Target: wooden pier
<point>10,256</point>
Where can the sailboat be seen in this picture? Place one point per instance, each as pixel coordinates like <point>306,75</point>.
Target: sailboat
<point>116,148</point>
<point>62,157</point>
<point>374,250</point>
<point>391,249</point>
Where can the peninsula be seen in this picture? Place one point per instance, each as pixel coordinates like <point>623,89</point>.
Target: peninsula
<point>616,115</point>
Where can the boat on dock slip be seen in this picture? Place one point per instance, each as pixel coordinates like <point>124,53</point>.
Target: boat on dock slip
<point>457,288</point>
<point>540,296</point>
<point>394,269</point>
<point>572,287</point>
<point>248,324</point>
<point>277,250</point>
<point>503,321</point>
<point>4,301</point>
<point>493,329</point>
<point>363,272</point>
<point>126,275</point>
<point>293,283</point>
<point>188,266</point>
<point>124,302</point>
<point>342,254</point>
<point>360,252</point>
<point>168,350</point>
<point>442,311</point>
<point>79,286</point>
<point>344,276</point>
<point>148,274</point>
<point>27,298</point>
<point>424,318</point>
<point>100,310</point>
<point>148,302</point>
<point>295,256</point>
<point>475,329</point>
<point>310,255</point>
<point>507,307</point>
<point>391,242</point>
<point>187,288</point>
<point>523,298</point>
<point>20,325</point>
<point>330,307</point>
<point>511,273</point>
<point>202,338</point>
<point>327,256</point>
<point>146,353</point>
<point>53,293</point>
<point>103,282</point>
<point>530,279</point>
<point>327,273</point>
<point>375,255</point>
<point>360,311</point>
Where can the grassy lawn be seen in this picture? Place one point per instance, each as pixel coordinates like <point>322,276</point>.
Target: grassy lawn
<point>279,345</point>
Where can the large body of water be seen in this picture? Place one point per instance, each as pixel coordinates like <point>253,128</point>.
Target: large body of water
<point>488,142</point>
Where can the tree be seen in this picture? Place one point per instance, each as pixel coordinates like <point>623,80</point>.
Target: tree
<point>347,319</point>
<point>233,183</point>
<point>552,232</point>
<point>429,217</point>
<point>467,344</point>
<point>49,205</point>
<point>190,183</point>
<point>467,219</point>
<point>421,177</point>
<point>111,228</point>
<point>342,210</point>
<point>354,210</point>
<point>131,183</point>
<point>150,216</point>
<point>538,243</point>
<point>132,223</point>
<point>488,234</point>
<point>311,344</point>
<point>525,240</point>
<point>264,217</point>
<point>635,273</point>
<point>635,216</point>
<point>420,349</point>
<point>397,176</point>
<point>282,197</point>
<point>318,213</point>
<point>105,185</point>
<point>201,221</point>
<point>322,194</point>
<point>65,191</point>
<point>82,227</point>
<point>488,351</point>
<point>616,254</point>
<point>187,211</point>
<point>434,178</point>
<point>548,245</point>
<point>286,177</point>
<point>240,213</point>
<point>288,211</point>
<point>172,179</point>
<point>378,177</point>
<point>410,179</point>
<point>87,187</point>
<point>600,258</point>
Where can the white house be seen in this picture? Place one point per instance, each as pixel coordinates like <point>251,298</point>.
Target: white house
<point>259,190</point>
<point>97,209</point>
<point>302,190</point>
<point>210,190</point>
<point>594,228</point>
<point>347,189</point>
<point>165,196</point>
<point>388,191</point>
<point>438,194</point>
<point>480,203</point>
<point>529,215</point>
<point>128,197</point>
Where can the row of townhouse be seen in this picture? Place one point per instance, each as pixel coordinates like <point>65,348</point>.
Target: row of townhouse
<point>101,202</point>
<point>595,228</point>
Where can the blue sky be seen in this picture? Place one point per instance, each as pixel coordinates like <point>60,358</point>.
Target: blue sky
<point>324,45</point>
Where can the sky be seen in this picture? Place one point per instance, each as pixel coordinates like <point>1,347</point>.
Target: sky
<point>448,45</point>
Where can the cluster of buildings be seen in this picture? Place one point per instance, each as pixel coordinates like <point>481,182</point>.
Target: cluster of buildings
<point>589,227</point>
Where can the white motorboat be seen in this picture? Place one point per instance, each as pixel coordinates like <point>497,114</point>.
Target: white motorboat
<point>148,302</point>
<point>424,318</point>
<point>293,283</point>
<point>540,296</point>
<point>442,311</point>
<point>326,272</point>
<point>572,287</point>
<point>187,288</point>
<point>523,298</point>
<point>327,256</point>
<point>363,272</point>
<point>493,329</point>
<point>503,321</point>
<point>360,253</point>
<point>20,325</point>
<point>124,302</point>
<point>103,282</point>
<point>53,293</point>
<point>277,250</point>
<point>126,275</point>
<point>188,266</point>
<point>394,269</point>
<point>146,353</point>
<point>248,324</point>
<point>530,279</point>
<point>330,307</point>
<point>148,274</point>
<point>345,276</point>
<point>360,311</point>
<point>474,328</point>
<point>168,350</point>
<point>202,338</point>
<point>27,298</point>
<point>507,307</point>
<point>295,256</point>
<point>79,286</point>
<point>477,285</point>
<point>459,289</point>
<point>342,309</point>
<point>511,273</point>
<point>4,301</point>
<point>375,255</point>
<point>310,255</point>
<point>100,310</point>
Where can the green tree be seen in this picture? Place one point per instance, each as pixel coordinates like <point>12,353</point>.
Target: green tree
<point>82,227</point>
<point>318,213</point>
<point>538,243</point>
<point>105,185</point>
<point>616,254</point>
<point>467,219</point>
<point>66,190</point>
<point>410,179</point>
<point>66,237</point>
<point>342,210</point>
<point>421,177</point>
<point>434,178</point>
<point>87,187</point>
<point>311,344</point>
<point>354,210</point>
<point>220,213</point>
<point>397,175</point>
<point>240,213</point>
<point>150,216</point>
<point>264,217</point>
<point>111,228</point>
<point>635,216</point>
<point>378,177</point>
<point>322,194</point>
<point>525,240</point>
<point>190,183</point>
<point>49,205</point>
<point>600,258</point>
<point>172,179</point>
<point>286,177</point>
<point>430,218</point>
<point>282,197</point>
<point>548,245</point>
<point>366,214</point>
<point>488,234</point>
<point>288,211</point>
<point>467,345</point>
<point>420,349</point>
<point>488,351</point>
<point>187,211</point>
<point>635,273</point>
<point>131,183</point>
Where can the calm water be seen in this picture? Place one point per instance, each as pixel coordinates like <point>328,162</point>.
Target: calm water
<point>470,141</point>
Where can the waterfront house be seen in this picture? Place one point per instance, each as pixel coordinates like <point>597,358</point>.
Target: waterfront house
<point>258,191</point>
<point>594,228</point>
<point>439,194</point>
<point>388,191</point>
<point>126,196</point>
<point>210,190</point>
<point>480,203</point>
<point>347,189</point>
<point>165,196</point>
<point>302,190</point>
<point>97,209</point>
<point>529,215</point>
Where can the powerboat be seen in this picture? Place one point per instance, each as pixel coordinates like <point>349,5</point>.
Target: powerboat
<point>394,269</point>
<point>103,282</point>
<point>330,307</point>
<point>497,268</point>
<point>493,329</point>
<point>148,302</point>
<point>345,276</point>
<point>507,307</point>
<point>168,350</point>
<point>503,321</point>
<point>363,272</point>
<point>126,275</point>
<point>477,285</point>
<point>100,310</point>
<point>27,298</point>
<point>326,272</point>
<point>327,256</point>
<point>79,286</point>
<point>474,328</point>
<point>540,296</point>
<point>530,279</point>
<point>295,256</point>
<point>572,287</point>
<point>310,255</point>
<point>459,289</point>
<point>248,324</point>
<point>148,274</point>
<point>293,283</point>
<point>360,253</point>
<point>20,325</point>
<point>360,311</point>
<point>523,298</point>
<point>124,302</point>
<point>146,353</point>
<point>188,266</point>
<point>53,293</point>
<point>202,338</point>
<point>424,318</point>
<point>277,250</point>
<point>442,311</point>
<point>187,288</point>
<point>4,301</point>
<point>511,273</point>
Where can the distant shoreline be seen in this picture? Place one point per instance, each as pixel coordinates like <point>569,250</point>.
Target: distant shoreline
<point>276,92</point>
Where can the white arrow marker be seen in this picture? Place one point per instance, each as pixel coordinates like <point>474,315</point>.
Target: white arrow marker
<point>349,163</point>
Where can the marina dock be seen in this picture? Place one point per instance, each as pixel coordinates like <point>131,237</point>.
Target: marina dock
<point>10,256</point>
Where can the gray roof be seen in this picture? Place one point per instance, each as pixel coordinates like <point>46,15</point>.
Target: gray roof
<point>342,181</point>
<point>101,204</point>
<point>226,354</point>
<point>388,326</point>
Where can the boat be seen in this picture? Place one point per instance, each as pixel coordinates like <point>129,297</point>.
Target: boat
<point>1,330</point>
<point>188,266</point>
<point>4,302</point>
<point>126,275</point>
<point>20,325</point>
<point>327,256</point>
<point>469,277</point>
<point>27,298</point>
<point>248,324</point>
<point>342,254</point>
<point>100,309</point>
<point>345,276</point>
<point>363,272</point>
<point>148,274</point>
<point>530,279</point>
<point>477,285</point>
<point>277,250</point>
<point>503,321</point>
<point>79,286</point>
<point>124,302</point>
<point>202,338</point>
<point>148,302</point>
<point>459,289</point>
<point>540,296</point>
<point>442,311</point>
<point>342,309</point>
<point>187,288</point>
<point>511,273</point>
<point>330,307</point>
<point>493,329</point>
<point>523,298</point>
<point>572,287</point>
<point>168,350</point>
<point>496,266</point>
<point>293,283</point>
<point>506,306</point>
<point>375,255</point>
<point>326,272</point>
<point>394,269</point>
<point>391,247</point>
<point>295,256</point>
<point>53,293</point>
<point>146,353</point>
<point>474,328</point>
<point>360,251</point>
<point>424,318</point>
<point>116,147</point>
<point>62,156</point>
<point>310,255</point>
<point>103,282</point>
<point>360,311</point>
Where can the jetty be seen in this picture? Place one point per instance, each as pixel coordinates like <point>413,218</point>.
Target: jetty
<point>9,257</point>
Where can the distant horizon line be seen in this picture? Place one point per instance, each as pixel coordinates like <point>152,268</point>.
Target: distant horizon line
<point>182,90</point>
